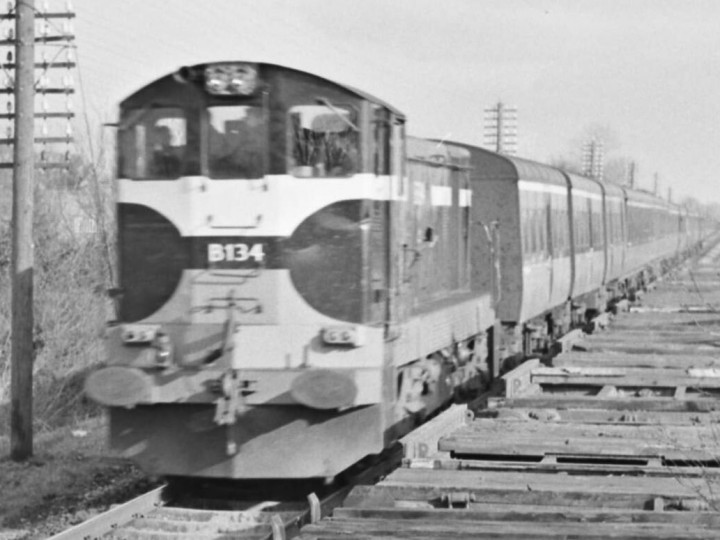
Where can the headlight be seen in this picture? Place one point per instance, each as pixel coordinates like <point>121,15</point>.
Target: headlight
<point>352,336</point>
<point>163,350</point>
<point>139,334</point>
<point>231,79</point>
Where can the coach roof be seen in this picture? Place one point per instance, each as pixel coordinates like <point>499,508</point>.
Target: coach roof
<point>489,165</point>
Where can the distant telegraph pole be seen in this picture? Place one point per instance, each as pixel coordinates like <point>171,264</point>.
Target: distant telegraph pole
<point>500,130</point>
<point>593,159</point>
<point>630,174</point>
<point>21,432</point>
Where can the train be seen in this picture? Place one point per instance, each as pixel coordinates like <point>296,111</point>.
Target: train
<point>301,282</point>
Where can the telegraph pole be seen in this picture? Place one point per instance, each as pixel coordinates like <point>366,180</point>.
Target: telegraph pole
<point>500,131</point>
<point>593,159</point>
<point>20,132</point>
<point>21,433</point>
<point>630,174</point>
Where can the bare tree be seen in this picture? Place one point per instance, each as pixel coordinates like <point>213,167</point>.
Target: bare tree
<point>617,170</point>
<point>598,132</point>
<point>615,167</point>
<point>566,163</point>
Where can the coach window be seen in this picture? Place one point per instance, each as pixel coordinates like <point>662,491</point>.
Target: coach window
<point>322,141</point>
<point>153,144</point>
<point>236,141</point>
<point>596,230</point>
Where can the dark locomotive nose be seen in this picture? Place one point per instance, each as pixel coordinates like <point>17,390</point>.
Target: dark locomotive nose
<point>153,255</point>
<point>325,258</point>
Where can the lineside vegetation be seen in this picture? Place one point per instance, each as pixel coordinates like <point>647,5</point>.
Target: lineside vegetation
<point>73,234</point>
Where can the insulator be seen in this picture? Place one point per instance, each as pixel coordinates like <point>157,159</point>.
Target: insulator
<point>69,104</point>
<point>42,153</point>
<point>68,81</point>
<point>45,6</point>
<point>67,155</point>
<point>9,33</point>
<point>10,6</point>
<point>68,130</point>
<point>44,128</point>
<point>8,131</point>
<point>43,56</point>
<point>68,5</point>
<point>9,81</point>
<point>9,106</point>
<point>9,56</point>
<point>44,104</point>
<point>69,54</point>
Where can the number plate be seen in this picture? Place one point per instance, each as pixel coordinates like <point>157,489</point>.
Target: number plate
<point>235,253</point>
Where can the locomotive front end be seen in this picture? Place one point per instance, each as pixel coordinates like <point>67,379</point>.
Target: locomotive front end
<point>253,294</point>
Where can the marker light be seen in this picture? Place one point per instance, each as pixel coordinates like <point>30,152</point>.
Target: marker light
<point>352,336</point>
<point>163,350</point>
<point>231,79</point>
<point>139,333</point>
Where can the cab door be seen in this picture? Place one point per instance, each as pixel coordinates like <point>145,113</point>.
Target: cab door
<point>379,213</point>
<point>399,241</point>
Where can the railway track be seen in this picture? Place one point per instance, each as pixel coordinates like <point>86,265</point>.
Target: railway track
<point>616,438</point>
<point>237,511</point>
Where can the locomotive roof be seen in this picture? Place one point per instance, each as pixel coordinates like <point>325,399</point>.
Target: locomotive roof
<point>437,152</point>
<point>262,66</point>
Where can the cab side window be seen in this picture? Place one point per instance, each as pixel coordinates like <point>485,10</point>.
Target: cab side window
<point>153,144</point>
<point>323,141</point>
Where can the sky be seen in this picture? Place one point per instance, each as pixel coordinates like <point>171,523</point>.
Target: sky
<point>648,71</point>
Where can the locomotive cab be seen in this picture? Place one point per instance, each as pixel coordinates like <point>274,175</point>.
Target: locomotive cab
<point>254,272</point>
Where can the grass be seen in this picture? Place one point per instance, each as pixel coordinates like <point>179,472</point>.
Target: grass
<point>70,478</point>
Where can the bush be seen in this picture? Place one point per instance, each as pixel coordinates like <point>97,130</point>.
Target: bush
<point>73,223</point>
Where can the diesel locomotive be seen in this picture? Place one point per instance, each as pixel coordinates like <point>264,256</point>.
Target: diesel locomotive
<point>300,282</point>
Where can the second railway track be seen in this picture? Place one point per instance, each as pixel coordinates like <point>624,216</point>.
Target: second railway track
<point>617,438</point>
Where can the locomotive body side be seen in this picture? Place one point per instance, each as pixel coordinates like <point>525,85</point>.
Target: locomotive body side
<point>271,325</point>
